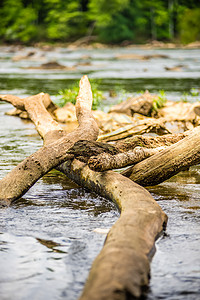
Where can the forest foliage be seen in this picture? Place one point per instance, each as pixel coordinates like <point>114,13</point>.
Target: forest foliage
<point>113,21</point>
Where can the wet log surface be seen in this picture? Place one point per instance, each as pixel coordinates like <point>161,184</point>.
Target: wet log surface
<point>83,150</point>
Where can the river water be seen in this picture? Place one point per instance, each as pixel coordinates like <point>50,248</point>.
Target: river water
<point>49,237</point>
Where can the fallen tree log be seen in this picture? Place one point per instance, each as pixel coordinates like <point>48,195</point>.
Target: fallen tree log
<point>54,151</point>
<point>130,244</point>
<point>136,205</point>
<point>145,126</point>
<point>168,162</point>
<point>19,103</point>
<point>122,269</point>
<point>101,156</point>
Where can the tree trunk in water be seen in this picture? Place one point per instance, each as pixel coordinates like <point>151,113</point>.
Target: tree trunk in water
<point>168,162</point>
<point>122,267</point>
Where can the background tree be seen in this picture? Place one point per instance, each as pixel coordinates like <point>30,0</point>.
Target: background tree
<point>65,19</point>
<point>112,21</point>
<point>17,21</point>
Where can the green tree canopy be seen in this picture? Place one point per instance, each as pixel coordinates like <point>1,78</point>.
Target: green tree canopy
<point>111,21</point>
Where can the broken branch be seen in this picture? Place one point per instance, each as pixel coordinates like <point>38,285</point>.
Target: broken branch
<point>22,177</point>
<point>106,161</point>
<point>168,162</point>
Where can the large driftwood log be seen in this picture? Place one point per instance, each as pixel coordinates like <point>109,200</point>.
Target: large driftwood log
<point>136,149</point>
<point>168,162</point>
<point>122,268</point>
<point>144,126</point>
<point>101,156</point>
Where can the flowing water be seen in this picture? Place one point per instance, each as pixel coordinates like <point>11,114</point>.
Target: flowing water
<point>48,238</point>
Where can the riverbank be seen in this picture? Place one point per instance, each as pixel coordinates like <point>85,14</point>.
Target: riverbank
<point>84,43</point>
<point>127,44</point>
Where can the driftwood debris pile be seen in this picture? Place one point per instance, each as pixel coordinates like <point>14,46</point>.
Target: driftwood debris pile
<point>122,268</point>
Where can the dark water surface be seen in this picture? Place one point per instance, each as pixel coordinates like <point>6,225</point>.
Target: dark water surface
<point>49,237</point>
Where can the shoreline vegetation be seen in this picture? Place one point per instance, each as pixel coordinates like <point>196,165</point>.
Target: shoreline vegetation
<point>109,22</point>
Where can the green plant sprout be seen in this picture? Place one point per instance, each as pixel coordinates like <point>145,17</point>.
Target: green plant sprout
<point>194,92</point>
<point>159,101</point>
<point>184,97</point>
<point>70,94</point>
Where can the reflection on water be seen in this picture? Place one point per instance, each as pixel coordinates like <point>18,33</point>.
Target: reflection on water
<point>49,237</point>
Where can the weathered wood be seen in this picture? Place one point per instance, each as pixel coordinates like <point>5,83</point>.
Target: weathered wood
<point>19,103</point>
<point>102,156</point>
<point>53,153</point>
<point>144,126</point>
<point>150,141</point>
<point>83,150</point>
<point>142,105</point>
<point>168,162</point>
<point>106,161</point>
<point>122,267</point>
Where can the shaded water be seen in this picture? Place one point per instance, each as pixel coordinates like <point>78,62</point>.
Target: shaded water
<point>47,238</point>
